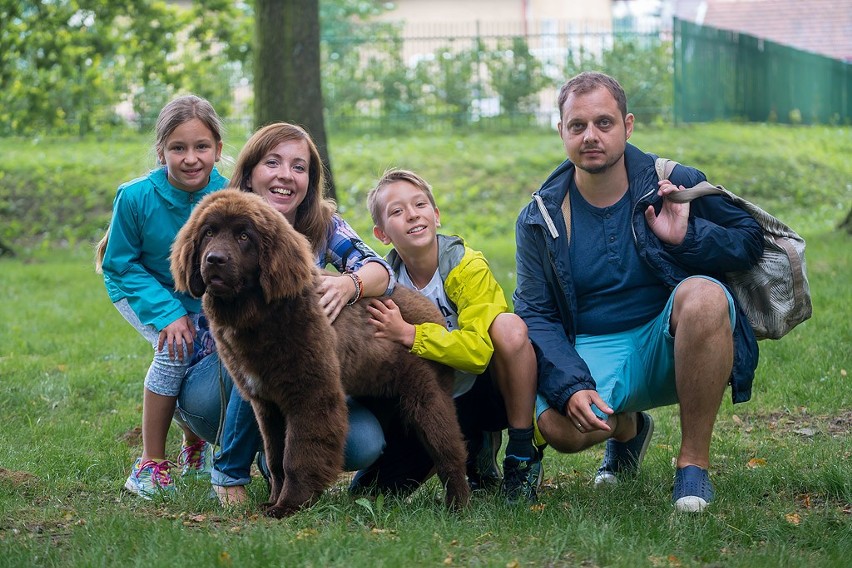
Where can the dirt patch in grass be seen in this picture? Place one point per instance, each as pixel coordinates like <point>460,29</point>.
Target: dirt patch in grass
<point>16,478</point>
<point>800,422</point>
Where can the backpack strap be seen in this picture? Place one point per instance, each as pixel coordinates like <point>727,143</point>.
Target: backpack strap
<point>664,169</point>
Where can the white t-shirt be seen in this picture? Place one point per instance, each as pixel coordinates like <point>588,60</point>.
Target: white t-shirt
<point>434,290</point>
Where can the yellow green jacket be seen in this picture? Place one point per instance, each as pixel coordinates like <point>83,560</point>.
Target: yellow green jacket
<point>478,299</point>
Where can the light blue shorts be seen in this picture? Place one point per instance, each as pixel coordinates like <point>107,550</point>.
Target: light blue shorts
<point>634,369</point>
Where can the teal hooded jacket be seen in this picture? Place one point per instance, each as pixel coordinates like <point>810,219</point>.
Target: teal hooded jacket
<point>147,214</point>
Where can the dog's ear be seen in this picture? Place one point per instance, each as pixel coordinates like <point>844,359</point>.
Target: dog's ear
<point>185,257</point>
<point>286,262</point>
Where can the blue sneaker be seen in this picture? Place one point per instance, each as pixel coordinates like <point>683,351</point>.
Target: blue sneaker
<point>263,468</point>
<point>692,489</point>
<point>523,478</point>
<point>150,479</point>
<point>625,457</point>
<point>483,473</point>
<point>196,460</point>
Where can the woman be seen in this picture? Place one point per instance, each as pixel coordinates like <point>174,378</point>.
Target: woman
<point>281,163</point>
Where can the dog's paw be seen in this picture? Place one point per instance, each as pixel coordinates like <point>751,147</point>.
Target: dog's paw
<point>280,511</point>
<point>458,496</point>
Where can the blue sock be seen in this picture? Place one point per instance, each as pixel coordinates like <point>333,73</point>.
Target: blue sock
<point>520,444</point>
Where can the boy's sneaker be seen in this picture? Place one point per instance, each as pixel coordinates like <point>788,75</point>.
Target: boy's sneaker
<point>196,460</point>
<point>263,468</point>
<point>150,478</point>
<point>692,489</point>
<point>625,457</point>
<point>483,473</point>
<point>522,478</point>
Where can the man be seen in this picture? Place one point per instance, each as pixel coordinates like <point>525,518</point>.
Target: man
<point>623,293</point>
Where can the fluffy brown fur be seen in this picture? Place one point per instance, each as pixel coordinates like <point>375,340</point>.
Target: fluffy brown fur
<point>258,282</point>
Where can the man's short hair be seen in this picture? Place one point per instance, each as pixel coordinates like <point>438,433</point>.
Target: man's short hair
<point>588,81</point>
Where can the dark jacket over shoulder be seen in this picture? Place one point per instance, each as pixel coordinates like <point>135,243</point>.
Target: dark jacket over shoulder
<point>720,238</point>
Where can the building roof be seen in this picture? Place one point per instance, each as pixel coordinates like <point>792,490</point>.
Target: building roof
<point>818,26</point>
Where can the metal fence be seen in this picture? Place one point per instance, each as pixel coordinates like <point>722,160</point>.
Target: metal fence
<point>485,76</point>
<point>724,75</point>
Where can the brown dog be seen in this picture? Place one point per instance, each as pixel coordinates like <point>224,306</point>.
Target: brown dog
<point>258,281</point>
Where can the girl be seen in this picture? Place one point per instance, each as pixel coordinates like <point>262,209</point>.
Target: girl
<point>134,259</point>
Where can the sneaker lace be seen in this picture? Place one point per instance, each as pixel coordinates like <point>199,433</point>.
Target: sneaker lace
<point>192,456</point>
<point>516,477</point>
<point>159,471</point>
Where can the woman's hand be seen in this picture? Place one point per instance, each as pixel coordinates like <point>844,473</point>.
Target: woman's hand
<point>179,336</point>
<point>334,291</point>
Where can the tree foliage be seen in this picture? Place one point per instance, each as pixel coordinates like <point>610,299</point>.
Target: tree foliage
<point>66,64</point>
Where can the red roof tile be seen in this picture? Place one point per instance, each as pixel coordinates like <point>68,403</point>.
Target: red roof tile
<point>818,26</point>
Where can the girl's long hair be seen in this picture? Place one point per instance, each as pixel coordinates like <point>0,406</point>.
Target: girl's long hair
<point>180,110</point>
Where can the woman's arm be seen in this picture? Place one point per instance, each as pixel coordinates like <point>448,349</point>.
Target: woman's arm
<point>359,265</point>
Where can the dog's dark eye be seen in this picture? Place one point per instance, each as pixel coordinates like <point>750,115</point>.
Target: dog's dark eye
<point>244,236</point>
<point>208,232</point>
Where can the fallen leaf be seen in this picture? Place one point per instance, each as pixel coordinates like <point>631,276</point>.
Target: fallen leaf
<point>793,518</point>
<point>538,507</point>
<point>305,533</point>
<point>756,462</point>
<point>448,560</point>
<point>809,432</point>
<point>512,564</point>
<point>842,372</point>
<point>737,420</point>
<point>673,560</point>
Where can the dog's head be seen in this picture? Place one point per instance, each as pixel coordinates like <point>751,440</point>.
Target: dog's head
<point>233,242</point>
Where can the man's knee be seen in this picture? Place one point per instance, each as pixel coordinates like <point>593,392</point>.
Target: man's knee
<point>700,299</point>
<point>558,432</point>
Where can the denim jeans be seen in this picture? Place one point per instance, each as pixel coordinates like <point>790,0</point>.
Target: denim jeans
<point>210,404</point>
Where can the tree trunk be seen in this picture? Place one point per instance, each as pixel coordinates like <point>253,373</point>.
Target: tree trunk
<point>847,223</point>
<point>287,83</point>
<point>6,250</point>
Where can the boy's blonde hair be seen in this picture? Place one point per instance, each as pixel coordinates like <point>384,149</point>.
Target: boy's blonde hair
<point>389,177</point>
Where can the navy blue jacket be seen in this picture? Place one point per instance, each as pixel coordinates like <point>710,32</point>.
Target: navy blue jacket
<point>720,238</point>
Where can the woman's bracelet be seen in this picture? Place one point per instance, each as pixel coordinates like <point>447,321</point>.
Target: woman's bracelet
<point>359,287</point>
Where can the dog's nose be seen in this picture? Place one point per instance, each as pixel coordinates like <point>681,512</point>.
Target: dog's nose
<point>216,257</point>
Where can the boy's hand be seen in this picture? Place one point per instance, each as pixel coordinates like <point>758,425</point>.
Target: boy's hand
<point>387,319</point>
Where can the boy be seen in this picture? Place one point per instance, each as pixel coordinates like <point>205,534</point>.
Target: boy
<point>488,346</point>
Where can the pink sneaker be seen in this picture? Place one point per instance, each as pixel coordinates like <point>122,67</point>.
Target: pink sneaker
<point>150,478</point>
<point>196,460</point>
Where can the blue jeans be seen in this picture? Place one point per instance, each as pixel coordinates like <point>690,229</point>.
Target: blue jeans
<point>210,404</point>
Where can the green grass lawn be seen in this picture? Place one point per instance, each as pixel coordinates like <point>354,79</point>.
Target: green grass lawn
<point>71,377</point>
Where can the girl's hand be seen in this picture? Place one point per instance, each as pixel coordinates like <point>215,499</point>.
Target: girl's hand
<point>334,291</point>
<point>179,336</point>
<point>387,319</point>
